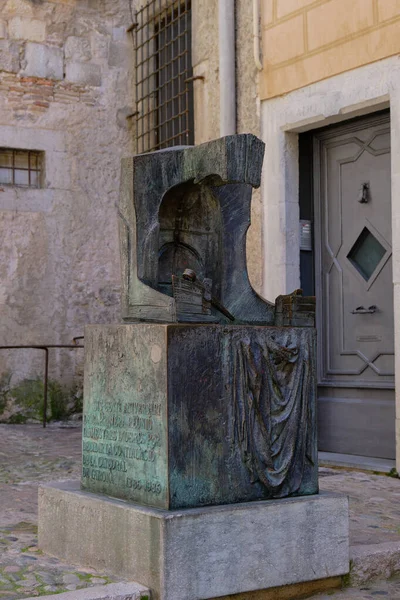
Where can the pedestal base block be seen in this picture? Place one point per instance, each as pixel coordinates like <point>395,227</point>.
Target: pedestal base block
<point>184,416</point>
<point>199,553</point>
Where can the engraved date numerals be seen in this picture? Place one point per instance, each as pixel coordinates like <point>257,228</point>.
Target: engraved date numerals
<point>153,487</point>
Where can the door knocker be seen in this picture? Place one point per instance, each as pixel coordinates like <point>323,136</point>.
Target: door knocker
<point>363,193</point>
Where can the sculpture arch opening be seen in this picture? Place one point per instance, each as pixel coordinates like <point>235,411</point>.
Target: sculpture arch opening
<point>190,235</point>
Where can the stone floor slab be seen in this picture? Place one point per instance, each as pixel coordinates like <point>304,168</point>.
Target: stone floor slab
<point>383,589</point>
<point>381,465</point>
<point>113,591</point>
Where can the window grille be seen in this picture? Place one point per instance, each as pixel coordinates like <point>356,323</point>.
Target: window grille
<point>164,84</point>
<point>20,167</point>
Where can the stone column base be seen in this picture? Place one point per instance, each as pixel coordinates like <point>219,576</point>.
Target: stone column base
<point>198,553</point>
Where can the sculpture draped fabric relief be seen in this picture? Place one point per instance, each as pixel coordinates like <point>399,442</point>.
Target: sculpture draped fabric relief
<point>273,394</point>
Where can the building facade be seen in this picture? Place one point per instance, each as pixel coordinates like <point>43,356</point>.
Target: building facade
<point>85,82</point>
<point>330,119</point>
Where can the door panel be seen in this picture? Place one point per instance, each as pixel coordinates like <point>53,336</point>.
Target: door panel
<point>354,288</point>
<point>347,422</point>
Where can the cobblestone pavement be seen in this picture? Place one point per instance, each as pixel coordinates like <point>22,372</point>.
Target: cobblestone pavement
<point>372,591</point>
<point>374,502</point>
<point>30,455</point>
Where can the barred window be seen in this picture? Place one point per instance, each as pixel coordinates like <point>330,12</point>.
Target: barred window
<point>164,84</point>
<point>20,167</point>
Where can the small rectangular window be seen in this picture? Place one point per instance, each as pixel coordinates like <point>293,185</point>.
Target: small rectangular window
<point>20,167</point>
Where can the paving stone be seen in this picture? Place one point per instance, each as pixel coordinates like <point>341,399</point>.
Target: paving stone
<point>47,578</point>
<point>70,578</point>
<point>30,455</point>
<point>374,591</point>
<point>371,522</point>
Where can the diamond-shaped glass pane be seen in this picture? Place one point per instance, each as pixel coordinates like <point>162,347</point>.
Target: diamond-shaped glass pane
<point>366,253</point>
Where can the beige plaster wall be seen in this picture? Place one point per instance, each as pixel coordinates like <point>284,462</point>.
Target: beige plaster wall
<point>305,41</point>
<point>248,121</point>
<point>205,61</point>
<point>207,98</point>
<point>65,88</point>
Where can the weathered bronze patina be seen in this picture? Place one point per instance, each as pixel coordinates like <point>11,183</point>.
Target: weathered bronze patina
<point>190,208</point>
<point>206,394</point>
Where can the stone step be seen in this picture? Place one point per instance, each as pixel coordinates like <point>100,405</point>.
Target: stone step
<point>365,463</point>
<point>374,561</point>
<point>111,591</point>
<point>368,563</point>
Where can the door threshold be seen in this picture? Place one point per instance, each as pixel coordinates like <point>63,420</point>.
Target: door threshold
<point>366,463</point>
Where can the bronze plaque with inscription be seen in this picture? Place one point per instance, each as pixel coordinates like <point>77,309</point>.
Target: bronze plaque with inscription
<point>124,422</point>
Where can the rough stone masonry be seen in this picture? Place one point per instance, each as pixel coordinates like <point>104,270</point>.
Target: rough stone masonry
<point>66,87</point>
<point>66,76</point>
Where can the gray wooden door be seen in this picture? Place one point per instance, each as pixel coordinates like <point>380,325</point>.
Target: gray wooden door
<point>354,288</point>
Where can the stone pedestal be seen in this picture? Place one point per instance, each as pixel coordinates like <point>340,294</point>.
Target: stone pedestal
<point>200,553</point>
<point>182,416</point>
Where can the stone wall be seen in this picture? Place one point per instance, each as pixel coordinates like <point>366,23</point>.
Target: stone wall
<point>248,121</point>
<point>66,88</point>
<point>66,74</point>
<point>207,98</point>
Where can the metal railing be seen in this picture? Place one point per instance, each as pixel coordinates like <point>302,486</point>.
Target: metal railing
<point>45,348</point>
<point>164,82</point>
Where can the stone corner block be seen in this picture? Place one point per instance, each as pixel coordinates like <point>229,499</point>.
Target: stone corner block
<point>99,44</point>
<point>9,56</point>
<point>119,34</point>
<point>374,561</point>
<point>77,49</point>
<point>22,28</point>
<point>83,74</point>
<point>198,553</point>
<point>3,30</point>
<point>43,61</point>
<point>120,55</point>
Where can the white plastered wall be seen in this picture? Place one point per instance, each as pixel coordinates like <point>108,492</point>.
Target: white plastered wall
<point>355,93</point>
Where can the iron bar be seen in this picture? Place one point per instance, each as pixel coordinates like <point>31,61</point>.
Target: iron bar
<point>45,385</point>
<point>164,84</point>
<point>28,163</point>
<point>46,364</point>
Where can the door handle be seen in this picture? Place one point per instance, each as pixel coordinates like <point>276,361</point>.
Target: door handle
<point>360,310</point>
